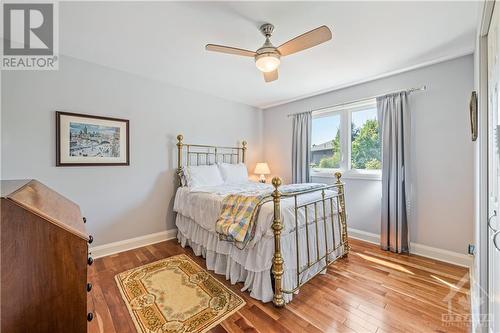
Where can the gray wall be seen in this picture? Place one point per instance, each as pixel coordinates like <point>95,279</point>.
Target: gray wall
<point>126,202</point>
<point>119,202</point>
<point>443,201</point>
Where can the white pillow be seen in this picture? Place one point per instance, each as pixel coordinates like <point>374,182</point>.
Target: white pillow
<point>234,173</point>
<point>202,175</point>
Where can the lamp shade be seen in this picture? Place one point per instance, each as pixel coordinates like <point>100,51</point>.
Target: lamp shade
<point>262,169</point>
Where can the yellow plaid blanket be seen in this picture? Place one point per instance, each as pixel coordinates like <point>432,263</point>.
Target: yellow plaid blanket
<point>237,218</point>
<point>236,222</point>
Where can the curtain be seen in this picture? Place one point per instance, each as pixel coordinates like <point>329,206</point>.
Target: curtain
<point>301,147</point>
<point>395,126</point>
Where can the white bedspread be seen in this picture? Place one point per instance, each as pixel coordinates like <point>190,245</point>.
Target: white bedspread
<point>203,205</point>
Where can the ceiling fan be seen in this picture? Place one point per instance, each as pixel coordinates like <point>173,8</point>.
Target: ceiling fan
<point>267,57</point>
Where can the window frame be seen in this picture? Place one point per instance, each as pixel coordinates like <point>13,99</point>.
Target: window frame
<point>345,111</point>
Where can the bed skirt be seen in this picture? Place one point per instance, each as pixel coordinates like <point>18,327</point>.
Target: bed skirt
<point>251,266</point>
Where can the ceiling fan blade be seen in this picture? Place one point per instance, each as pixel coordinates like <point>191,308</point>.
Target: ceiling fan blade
<point>306,40</point>
<point>229,50</point>
<point>271,76</point>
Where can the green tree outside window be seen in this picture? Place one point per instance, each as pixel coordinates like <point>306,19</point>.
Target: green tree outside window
<point>365,148</point>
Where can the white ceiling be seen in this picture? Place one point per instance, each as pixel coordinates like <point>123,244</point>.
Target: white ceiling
<point>165,41</point>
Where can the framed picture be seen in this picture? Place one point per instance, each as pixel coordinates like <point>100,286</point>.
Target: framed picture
<point>473,115</point>
<point>85,140</point>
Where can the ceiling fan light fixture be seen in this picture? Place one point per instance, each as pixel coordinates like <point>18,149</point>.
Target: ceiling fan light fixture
<point>267,62</point>
<point>267,57</point>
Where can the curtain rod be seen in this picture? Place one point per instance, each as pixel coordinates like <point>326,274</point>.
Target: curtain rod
<point>410,90</point>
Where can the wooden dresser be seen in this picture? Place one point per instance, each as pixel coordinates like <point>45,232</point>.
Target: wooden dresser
<point>44,258</point>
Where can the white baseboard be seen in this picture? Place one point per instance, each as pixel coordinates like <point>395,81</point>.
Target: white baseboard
<point>132,243</point>
<point>451,257</point>
<point>418,249</point>
<point>442,255</point>
<point>364,236</point>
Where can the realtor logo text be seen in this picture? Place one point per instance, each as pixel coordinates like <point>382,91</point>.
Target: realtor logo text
<point>30,36</point>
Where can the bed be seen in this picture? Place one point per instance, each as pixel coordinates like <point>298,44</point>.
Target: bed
<point>299,230</point>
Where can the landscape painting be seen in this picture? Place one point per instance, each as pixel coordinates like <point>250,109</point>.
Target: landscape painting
<point>91,140</point>
<point>94,140</point>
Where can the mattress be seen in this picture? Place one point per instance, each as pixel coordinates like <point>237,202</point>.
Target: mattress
<point>198,209</point>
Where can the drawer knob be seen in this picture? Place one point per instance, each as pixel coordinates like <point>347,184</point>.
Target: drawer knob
<point>84,219</point>
<point>90,261</point>
<point>90,316</point>
<point>91,239</point>
<point>89,287</point>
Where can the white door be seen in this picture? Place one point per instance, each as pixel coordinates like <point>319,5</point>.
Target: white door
<point>493,171</point>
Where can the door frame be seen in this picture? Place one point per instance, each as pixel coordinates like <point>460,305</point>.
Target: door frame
<point>479,305</point>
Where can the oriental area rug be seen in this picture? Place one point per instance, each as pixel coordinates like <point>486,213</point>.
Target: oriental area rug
<point>175,295</point>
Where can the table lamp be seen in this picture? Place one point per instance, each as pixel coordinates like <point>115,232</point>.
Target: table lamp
<point>262,169</point>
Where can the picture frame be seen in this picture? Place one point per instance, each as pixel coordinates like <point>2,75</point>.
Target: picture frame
<point>89,140</point>
<point>473,115</point>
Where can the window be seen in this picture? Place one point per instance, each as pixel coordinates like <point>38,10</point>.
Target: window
<point>325,150</point>
<point>365,140</point>
<point>346,138</point>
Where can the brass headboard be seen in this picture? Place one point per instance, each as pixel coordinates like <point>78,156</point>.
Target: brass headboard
<point>194,154</point>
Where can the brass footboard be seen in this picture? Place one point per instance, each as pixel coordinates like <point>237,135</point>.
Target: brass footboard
<point>343,245</point>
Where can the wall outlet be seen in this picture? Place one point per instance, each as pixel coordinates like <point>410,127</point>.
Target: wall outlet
<point>471,249</point>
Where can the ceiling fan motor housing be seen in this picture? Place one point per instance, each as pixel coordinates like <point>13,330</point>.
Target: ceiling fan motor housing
<point>271,52</point>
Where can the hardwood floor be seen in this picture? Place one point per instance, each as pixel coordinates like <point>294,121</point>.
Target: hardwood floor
<point>370,291</point>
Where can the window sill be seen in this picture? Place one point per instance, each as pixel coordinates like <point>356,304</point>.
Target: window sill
<point>348,175</point>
